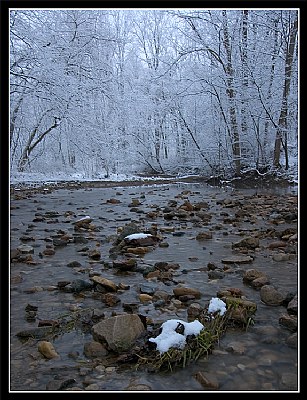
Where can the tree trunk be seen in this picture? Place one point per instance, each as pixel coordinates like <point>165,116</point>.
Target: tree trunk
<point>268,120</point>
<point>194,140</point>
<point>32,143</point>
<point>235,137</point>
<point>281,133</point>
<point>244,72</point>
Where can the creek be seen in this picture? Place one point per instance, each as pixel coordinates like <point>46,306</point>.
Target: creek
<point>263,360</point>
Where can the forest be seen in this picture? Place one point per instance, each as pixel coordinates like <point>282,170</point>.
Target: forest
<point>153,91</point>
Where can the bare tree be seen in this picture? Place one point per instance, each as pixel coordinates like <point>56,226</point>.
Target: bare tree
<point>35,138</point>
<point>169,90</point>
<point>282,127</point>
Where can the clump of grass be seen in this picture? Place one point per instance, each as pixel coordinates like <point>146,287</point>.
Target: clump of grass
<point>240,312</point>
<point>196,347</point>
<point>215,325</point>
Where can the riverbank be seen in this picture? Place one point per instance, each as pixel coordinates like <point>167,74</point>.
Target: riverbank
<point>253,179</point>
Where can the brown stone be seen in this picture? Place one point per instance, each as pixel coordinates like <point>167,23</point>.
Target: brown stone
<point>184,291</point>
<point>207,380</point>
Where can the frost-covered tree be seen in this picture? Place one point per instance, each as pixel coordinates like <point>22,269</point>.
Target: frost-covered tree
<point>166,91</point>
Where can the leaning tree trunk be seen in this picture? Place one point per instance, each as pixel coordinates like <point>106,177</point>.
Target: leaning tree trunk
<point>33,140</point>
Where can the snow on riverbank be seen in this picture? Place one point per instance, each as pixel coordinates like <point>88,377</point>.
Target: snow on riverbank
<point>24,177</point>
<point>36,180</point>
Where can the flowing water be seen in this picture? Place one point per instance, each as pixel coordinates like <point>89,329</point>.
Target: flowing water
<point>264,361</point>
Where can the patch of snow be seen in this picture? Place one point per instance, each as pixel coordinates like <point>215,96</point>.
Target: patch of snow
<point>138,236</point>
<point>217,304</point>
<point>170,338</point>
<point>83,218</point>
<point>49,178</point>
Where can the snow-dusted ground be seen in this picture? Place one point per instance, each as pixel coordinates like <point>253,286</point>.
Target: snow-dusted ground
<point>37,179</point>
<point>28,177</point>
<point>55,179</point>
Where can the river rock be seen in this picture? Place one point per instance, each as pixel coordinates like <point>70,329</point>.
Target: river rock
<point>207,380</point>
<point>271,296</point>
<point>248,242</point>
<point>47,349</point>
<point>289,322</point>
<point>237,260</point>
<point>251,274</point>
<point>185,291</point>
<point>94,349</point>
<point>106,283</point>
<point>292,307</point>
<point>25,249</point>
<point>36,333</point>
<point>119,332</point>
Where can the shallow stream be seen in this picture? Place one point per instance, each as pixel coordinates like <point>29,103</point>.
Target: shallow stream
<point>264,361</point>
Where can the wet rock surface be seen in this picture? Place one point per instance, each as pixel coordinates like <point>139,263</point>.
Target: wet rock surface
<point>73,268</point>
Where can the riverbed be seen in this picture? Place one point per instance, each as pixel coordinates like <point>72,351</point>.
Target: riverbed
<point>256,359</point>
